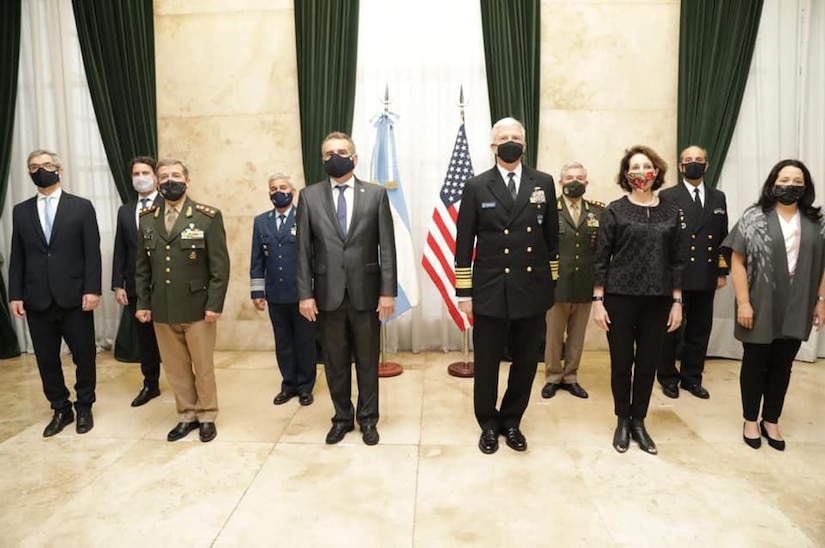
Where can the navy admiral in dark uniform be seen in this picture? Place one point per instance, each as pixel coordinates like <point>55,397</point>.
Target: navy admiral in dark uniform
<point>706,215</point>
<point>508,213</point>
<point>273,280</point>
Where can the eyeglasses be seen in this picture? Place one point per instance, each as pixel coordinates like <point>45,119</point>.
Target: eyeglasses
<point>48,166</point>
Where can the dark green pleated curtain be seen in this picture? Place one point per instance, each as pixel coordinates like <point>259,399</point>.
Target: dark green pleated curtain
<point>716,42</point>
<point>117,41</point>
<point>10,14</point>
<point>512,48</point>
<point>326,38</point>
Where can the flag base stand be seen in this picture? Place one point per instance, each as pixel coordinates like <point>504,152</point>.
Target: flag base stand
<point>385,368</point>
<point>466,368</point>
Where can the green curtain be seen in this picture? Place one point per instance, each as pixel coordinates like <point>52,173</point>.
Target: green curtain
<point>10,13</point>
<point>326,39</point>
<point>716,42</point>
<point>512,47</point>
<point>117,41</point>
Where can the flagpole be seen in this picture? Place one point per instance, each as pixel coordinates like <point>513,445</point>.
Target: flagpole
<point>464,369</point>
<point>385,368</point>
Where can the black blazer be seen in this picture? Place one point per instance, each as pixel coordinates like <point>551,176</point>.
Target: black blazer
<point>63,270</point>
<point>705,232</point>
<point>363,263</point>
<point>125,253</point>
<point>516,245</point>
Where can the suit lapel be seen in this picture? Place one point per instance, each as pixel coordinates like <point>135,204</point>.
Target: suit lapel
<point>498,188</point>
<point>525,190</point>
<point>331,207</point>
<point>565,213</point>
<point>62,211</point>
<point>35,220</point>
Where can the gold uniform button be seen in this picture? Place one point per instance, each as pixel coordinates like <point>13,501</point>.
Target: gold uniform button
<point>168,258</point>
<point>577,245</point>
<point>168,246</point>
<point>710,249</point>
<point>577,233</point>
<point>168,282</point>
<point>168,269</point>
<point>529,269</point>
<point>506,251</point>
<point>506,270</point>
<point>693,259</point>
<point>693,248</point>
<point>529,229</point>
<point>506,231</point>
<point>577,269</point>
<point>710,261</point>
<point>529,249</point>
<point>693,236</point>
<point>577,256</point>
<point>710,236</point>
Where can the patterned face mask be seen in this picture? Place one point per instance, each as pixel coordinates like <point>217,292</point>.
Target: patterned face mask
<point>640,179</point>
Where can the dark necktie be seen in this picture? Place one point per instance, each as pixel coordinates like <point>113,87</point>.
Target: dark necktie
<point>281,223</point>
<point>511,185</point>
<point>342,209</point>
<point>144,202</point>
<point>696,200</point>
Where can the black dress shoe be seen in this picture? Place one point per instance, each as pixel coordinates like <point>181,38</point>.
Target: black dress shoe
<point>779,445</point>
<point>85,421</point>
<point>283,397</point>
<point>753,443</point>
<point>549,390</point>
<point>181,430</point>
<point>306,399</point>
<point>515,439</point>
<point>576,389</point>
<point>207,431</point>
<point>369,433</point>
<point>621,436</point>
<point>697,390</point>
<point>488,442</point>
<point>59,421</point>
<point>145,395</point>
<point>639,434</point>
<point>338,431</point>
<point>670,390</point>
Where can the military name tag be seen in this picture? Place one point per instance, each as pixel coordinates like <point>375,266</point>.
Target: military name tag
<point>191,234</point>
<point>488,205</point>
<point>719,211</point>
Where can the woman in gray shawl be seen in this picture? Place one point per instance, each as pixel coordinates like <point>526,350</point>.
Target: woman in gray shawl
<point>777,266</point>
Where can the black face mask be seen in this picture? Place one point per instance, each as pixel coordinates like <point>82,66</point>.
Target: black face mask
<point>788,194</point>
<point>573,189</point>
<point>172,191</point>
<point>44,178</point>
<point>694,170</point>
<point>510,151</point>
<point>338,166</point>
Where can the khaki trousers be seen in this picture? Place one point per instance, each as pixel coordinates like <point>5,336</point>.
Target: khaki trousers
<point>570,317</point>
<point>187,353</point>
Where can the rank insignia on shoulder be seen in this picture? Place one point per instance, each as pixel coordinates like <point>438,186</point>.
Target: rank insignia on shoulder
<point>596,203</point>
<point>206,210</point>
<point>147,210</point>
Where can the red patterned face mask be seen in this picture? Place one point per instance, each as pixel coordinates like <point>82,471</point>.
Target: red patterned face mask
<point>640,179</point>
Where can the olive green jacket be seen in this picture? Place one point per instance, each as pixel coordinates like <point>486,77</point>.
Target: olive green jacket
<point>577,247</point>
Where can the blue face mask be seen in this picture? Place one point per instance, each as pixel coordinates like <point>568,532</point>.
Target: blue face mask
<point>281,199</point>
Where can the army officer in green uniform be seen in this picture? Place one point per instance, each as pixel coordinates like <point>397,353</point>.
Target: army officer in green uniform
<point>578,230</point>
<point>181,277</point>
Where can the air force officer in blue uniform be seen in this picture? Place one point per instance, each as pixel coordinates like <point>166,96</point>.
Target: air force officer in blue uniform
<point>273,274</point>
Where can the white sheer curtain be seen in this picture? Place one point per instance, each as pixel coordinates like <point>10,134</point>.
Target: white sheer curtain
<point>782,116</point>
<point>423,52</point>
<point>54,111</point>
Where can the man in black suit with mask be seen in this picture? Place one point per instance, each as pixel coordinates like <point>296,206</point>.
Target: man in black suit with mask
<point>707,270</point>
<point>347,280</point>
<point>54,282</point>
<point>509,215</point>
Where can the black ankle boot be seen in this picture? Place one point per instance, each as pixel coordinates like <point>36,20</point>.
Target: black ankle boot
<point>640,436</point>
<point>621,437</point>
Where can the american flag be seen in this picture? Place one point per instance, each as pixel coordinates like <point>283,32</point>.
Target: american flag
<point>439,252</point>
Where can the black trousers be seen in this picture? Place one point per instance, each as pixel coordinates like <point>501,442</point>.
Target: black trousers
<point>490,335</point>
<point>345,333</point>
<point>148,347</point>
<point>636,335</point>
<point>294,348</point>
<point>765,376</point>
<point>47,328</point>
<point>697,321</point>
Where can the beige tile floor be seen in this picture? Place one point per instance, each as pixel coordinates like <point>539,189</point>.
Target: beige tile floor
<point>269,479</point>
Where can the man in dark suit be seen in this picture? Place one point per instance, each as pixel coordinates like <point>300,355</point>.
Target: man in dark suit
<point>182,274</point>
<point>273,282</point>
<point>54,282</point>
<point>578,230</point>
<point>123,272</point>
<point>508,214</point>
<point>347,280</point>
<point>706,216</point>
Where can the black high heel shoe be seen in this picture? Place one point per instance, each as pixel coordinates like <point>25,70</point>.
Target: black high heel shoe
<point>753,443</point>
<point>779,445</point>
<point>621,437</point>
<point>639,434</point>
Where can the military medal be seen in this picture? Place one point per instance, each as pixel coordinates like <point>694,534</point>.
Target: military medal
<point>192,256</point>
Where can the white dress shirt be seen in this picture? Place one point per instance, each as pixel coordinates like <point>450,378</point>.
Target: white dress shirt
<point>690,188</point>
<point>506,176</point>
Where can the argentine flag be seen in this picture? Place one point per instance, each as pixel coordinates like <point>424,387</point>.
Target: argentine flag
<point>384,171</point>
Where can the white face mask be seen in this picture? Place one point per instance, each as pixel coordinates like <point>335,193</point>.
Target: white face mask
<point>143,183</point>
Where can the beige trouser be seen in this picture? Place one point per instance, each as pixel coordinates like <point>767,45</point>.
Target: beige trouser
<point>570,317</point>
<point>187,354</point>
